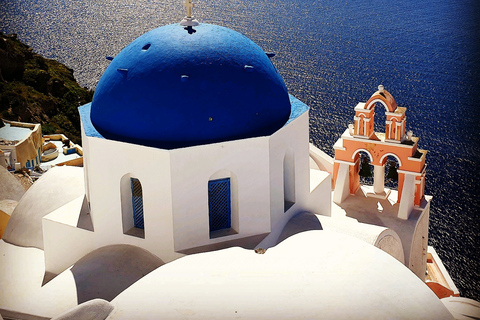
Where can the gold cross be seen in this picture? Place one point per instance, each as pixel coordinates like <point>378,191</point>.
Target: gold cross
<point>189,5</point>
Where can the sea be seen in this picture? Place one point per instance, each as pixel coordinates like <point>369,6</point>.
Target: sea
<point>332,54</point>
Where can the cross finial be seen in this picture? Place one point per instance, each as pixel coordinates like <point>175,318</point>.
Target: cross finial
<point>189,5</point>
<point>189,20</point>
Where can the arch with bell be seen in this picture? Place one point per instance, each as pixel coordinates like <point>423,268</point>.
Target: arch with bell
<point>378,146</point>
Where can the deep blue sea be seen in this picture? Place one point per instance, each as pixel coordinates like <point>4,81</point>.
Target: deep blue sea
<point>331,54</point>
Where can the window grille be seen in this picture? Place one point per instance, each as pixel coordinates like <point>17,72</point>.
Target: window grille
<point>137,203</point>
<point>219,204</point>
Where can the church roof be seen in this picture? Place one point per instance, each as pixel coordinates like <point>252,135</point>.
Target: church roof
<point>312,275</point>
<point>179,86</point>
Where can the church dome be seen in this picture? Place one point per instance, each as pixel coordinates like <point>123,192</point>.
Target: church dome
<point>178,87</point>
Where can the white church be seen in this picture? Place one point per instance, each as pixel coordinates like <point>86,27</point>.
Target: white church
<point>202,198</point>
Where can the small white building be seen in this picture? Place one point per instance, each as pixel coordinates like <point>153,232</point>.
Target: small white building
<point>20,144</point>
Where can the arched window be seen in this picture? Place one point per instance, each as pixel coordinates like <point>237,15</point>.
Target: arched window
<point>132,206</point>
<point>137,203</point>
<point>288,180</point>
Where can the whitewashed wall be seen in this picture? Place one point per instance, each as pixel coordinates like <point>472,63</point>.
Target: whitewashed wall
<point>246,163</point>
<point>175,188</point>
<point>108,162</point>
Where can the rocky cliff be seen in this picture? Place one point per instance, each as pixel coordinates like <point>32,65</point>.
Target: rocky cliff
<point>38,90</point>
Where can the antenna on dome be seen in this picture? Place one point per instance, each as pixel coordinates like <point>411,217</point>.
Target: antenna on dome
<point>189,20</point>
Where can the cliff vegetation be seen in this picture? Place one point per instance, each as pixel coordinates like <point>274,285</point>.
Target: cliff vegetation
<point>38,90</point>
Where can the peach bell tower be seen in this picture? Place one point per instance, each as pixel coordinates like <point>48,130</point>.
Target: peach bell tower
<point>395,142</point>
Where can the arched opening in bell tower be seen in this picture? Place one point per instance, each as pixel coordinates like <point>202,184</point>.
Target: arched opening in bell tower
<point>380,119</point>
<point>365,168</point>
<point>391,164</point>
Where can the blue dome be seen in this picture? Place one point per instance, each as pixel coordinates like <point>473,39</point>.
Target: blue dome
<point>174,87</point>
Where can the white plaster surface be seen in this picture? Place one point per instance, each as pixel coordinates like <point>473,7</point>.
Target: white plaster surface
<point>380,237</point>
<point>60,235</point>
<point>192,168</point>
<point>55,188</point>
<point>413,232</point>
<point>21,275</point>
<point>312,187</point>
<point>313,275</point>
<point>101,274</point>
<point>408,197</point>
<point>152,167</point>
<point>67,214</point>
<point>302,222</point>
<point>462,308</point>
<point>323,160</point>
<point>316,178</point>
<point>417,261</point>
<point>319,201</point>
<point>8,206</point>
<point>342,184</point>
<point>10,187</point>
<point>96,309</point>
<point>107,271</point>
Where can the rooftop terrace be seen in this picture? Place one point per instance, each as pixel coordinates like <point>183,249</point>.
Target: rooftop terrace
<point>13,133</point>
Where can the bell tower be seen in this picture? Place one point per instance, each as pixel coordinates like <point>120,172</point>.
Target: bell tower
<point>394,142</point>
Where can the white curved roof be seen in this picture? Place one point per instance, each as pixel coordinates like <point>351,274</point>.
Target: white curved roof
<point>462,308</point>
<point>57,187</point>
<point>311,275</point>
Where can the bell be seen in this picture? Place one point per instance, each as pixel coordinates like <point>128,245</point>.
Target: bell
<point>365,170</point>
<point>392,171</point>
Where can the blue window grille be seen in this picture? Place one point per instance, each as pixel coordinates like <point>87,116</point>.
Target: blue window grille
<point>219,204</point>
<point>137,202</point>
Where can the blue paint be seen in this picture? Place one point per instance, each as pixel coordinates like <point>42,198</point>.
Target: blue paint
<point>298,108</point>
<point>88,127</point>
<point>71,151</point>
<point>137,203</point>
<point>219,204</point>
<point>186,89</point>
